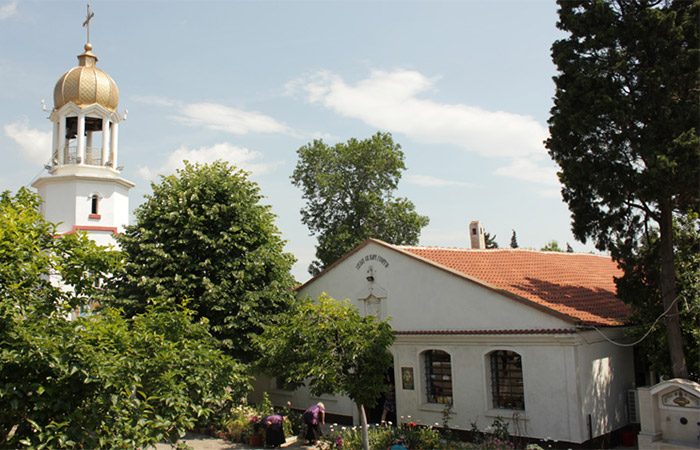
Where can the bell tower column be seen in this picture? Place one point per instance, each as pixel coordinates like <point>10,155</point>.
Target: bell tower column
<point>61,138</point>
<point>115,144</point>
<point>81,139</point>
<point>105,141</point>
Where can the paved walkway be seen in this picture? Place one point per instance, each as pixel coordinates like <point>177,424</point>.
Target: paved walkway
<point>204,442</point>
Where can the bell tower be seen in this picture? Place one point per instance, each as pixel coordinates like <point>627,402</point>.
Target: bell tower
<point>83,189</point>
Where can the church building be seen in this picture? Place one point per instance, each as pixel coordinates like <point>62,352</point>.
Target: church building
<point>83,189</point>
<point>526,336</point>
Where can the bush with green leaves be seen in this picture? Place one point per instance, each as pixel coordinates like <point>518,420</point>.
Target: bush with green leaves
<point>110,382</point>
<point>99,381</point>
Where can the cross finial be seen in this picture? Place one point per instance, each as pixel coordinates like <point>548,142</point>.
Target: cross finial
<point>87,22</point>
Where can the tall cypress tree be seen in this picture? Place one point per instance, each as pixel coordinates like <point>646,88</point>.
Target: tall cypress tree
<point>624,128</point>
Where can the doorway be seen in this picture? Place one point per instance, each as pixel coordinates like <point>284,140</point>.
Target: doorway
<point>388,399</point>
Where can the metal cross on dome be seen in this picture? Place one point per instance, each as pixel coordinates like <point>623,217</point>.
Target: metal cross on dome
<point>90,15</point>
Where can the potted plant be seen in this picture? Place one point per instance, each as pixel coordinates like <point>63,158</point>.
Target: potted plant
<point>255,431</point>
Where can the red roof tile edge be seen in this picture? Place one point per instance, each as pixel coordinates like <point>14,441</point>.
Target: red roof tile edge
<point>473,332</point>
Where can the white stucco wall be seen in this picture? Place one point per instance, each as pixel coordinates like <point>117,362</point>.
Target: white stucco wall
<point>606,373</point>
<point>550,396</point>
<point>68,202</point>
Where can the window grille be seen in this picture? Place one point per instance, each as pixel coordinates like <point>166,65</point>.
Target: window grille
<point>438,377</point>
<point>507,390</point>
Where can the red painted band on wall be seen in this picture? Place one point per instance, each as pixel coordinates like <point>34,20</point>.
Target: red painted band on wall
<point>75,228</point>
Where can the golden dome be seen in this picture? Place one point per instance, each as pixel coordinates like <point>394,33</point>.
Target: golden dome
<point>86,84</point>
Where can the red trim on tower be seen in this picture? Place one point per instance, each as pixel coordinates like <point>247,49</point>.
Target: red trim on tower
<point>94,216</point>
<point>92,228</point>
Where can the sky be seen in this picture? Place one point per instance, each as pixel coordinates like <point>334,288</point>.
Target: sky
<point>465,87</point>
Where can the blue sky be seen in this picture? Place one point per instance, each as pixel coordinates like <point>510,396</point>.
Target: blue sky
<point>464,86</point>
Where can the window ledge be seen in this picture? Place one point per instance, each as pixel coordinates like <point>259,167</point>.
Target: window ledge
<point>94,216</point>
<point>433,407</point>
<point>326,398</point>
<point>507,413</point>
<point>282,392</point>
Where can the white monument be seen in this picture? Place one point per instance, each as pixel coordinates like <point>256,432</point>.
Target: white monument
<point>670,415</point>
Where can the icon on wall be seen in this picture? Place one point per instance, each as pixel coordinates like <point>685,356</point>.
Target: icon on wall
<point>407,378</point>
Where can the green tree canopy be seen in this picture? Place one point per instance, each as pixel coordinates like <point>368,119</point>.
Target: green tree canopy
<point>98,381</point>
<point>490,241</point>
<point>348,190</point>
<point>203,236</point>
<point>551,246</point>
<point>329,347</point>
<point>513,240</point>
<point>624,127</point>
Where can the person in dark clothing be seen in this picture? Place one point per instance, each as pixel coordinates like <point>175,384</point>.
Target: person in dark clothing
<point>274,430</point>
<point>314,417</point>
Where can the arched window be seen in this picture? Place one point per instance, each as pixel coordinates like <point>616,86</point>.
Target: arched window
<point>94,204</point>
<point>507,389</point>
<point>438,376</point>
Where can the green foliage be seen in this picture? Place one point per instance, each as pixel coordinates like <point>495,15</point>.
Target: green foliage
<point>624,127</point>
<point>103,381</point>
<point>349,193</point>
<point>203,236</point>
<point>551,246</point>
<point>490,241</point>
<point>514,240</point>
<point>328,346</point>
<point>31,257</point>
<point>639,286</point>
<point>382,437</point>
<point>99,381</point>
<point>569,248</point>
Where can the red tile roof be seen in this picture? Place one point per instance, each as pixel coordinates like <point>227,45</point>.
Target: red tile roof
<point>580,286</point>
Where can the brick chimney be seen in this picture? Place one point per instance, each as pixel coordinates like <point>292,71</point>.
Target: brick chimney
<point>476,235</point>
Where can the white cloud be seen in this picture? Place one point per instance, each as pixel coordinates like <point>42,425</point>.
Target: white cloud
<point>218,117</point>
<point>35,145</point>
<point>428,181</point>
<point>389,100</point>
<point>529,170</point>
<point>236,156</point>
<point>8,9</point>
<point>231,120</point>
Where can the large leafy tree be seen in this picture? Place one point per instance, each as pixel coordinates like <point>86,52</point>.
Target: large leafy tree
<point>624,128</point>
<point>98,381</point>
<point>638,285</point>
<point>204,237</point>
<point>329,347</point>
<point>349,190</point>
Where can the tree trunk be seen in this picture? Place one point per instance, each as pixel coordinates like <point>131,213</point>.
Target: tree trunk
<point>363,424</point>
<point>668,293</point>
